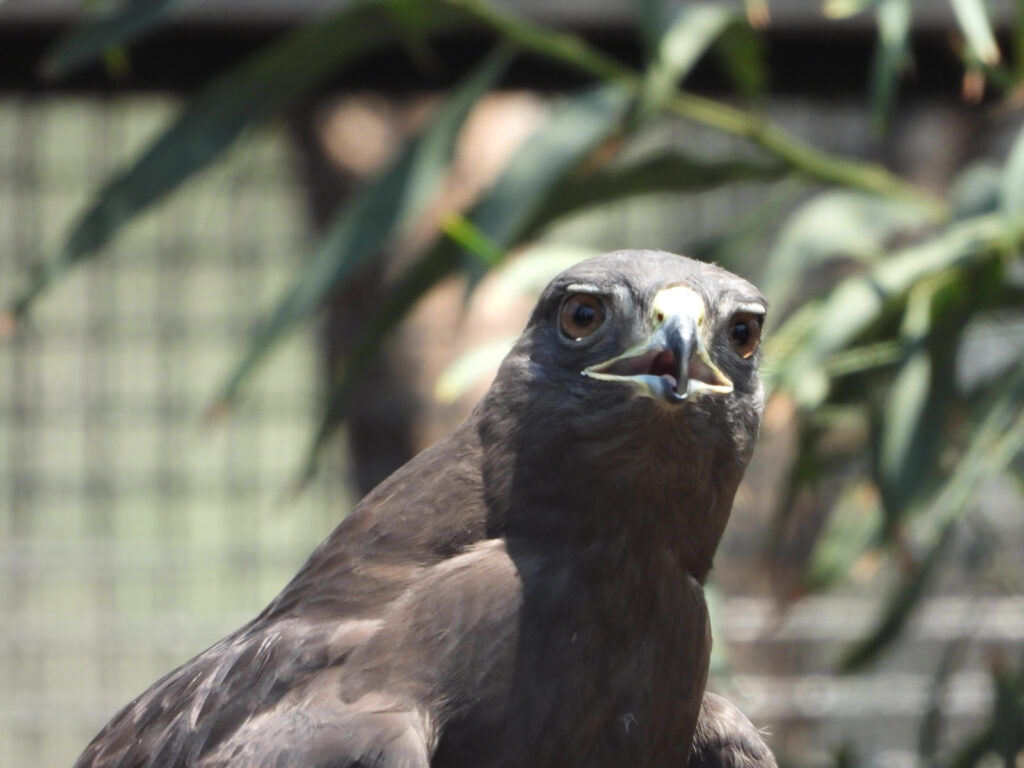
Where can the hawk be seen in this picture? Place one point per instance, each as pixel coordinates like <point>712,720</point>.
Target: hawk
<point>529,590</point>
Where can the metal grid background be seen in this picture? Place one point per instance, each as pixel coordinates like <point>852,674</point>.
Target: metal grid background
<point>131,536</point>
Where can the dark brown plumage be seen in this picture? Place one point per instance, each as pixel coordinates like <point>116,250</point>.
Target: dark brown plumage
<point>526,592</point>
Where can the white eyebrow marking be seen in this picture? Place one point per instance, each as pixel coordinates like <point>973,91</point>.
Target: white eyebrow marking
<point>584,288</point>
<point>757,309</point>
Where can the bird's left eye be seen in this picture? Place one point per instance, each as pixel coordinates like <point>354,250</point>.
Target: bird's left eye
<point>581,315</point>
<point>745,333</point>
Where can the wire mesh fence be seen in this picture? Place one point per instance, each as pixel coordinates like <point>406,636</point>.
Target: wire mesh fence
<point>132,536</point>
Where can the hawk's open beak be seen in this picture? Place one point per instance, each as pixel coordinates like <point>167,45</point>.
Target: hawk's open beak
<point>673,364</point>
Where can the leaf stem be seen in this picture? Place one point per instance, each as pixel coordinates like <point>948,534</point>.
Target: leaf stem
<point>802,157</point>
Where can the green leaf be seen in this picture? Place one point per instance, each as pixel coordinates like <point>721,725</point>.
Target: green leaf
<point>844,9</point>
<point>837,224</point>
<point>978,189</point>
<point>526,276</point>
<point>899,607</point>
<point>471,239</point>
<point>973,20</point>
<point>914,414</point>
<point>741,53</point>
<point>685,39</point>
<point>851,529</point>
<point>890,58</point>
<point>375,215</point>
<point>467,370</point>
<point>116,28</point>
<point>993,444</point>
<point>1012,188</point>
<point>824,328</point>
<point>668,171</point>
<point>502,215</point>
<point>258,88</point>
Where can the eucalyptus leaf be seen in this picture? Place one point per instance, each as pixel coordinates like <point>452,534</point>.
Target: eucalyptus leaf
<point>973,19</point>
<point>667,171</point>
<point>836,224</point>
<point>844,9</point>
<point>899,607</point>
<point>851,529</point>
<point>503,215</point>
<point>379,212</point>
<point>828,326</point>
<point>914,414</point>
<point>1012,188</point>
<point>890,58</point>
<point>261,86</point>
<point>687,37</point>
<point>115,28</point>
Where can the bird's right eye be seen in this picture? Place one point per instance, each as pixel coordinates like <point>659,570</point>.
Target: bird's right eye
<point>581,315</point>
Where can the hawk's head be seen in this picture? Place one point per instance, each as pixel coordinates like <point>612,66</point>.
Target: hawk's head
<point>636,375</point>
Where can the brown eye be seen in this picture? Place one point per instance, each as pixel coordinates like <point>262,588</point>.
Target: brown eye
<point>745,333</point>
<point>581,315</point>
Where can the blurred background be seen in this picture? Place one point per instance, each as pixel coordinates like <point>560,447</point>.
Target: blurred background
<point>256,255</point>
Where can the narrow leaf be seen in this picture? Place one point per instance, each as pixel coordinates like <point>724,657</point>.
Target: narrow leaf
<point>912,419</point>
<point>1012,188</point>
<point>668,171</point>
<point>118,27</point>
<point>742,54</point>
<point>377,213</point>
<point>899,608</point>
<point>502,215</point>
<point>837,224</point>
<point>844,9</point>
<point>994,443</point>
<point>857,302</point>
<point>973,20</point>
<point>471,239</point>
<point>256,89</point>
<point>890,58</point>
<point>851,529</point>
<point>685,39</point>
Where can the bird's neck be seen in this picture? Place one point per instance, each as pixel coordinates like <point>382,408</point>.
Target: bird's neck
<point>660,488</point>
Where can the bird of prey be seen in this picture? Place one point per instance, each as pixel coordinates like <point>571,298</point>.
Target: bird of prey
<point>529,590</point>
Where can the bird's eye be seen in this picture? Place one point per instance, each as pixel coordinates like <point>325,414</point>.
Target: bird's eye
<point>745,333</point>
<point>581,315</point>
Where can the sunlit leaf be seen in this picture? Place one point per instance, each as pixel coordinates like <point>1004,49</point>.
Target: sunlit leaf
<point>837,224</point>
<point>377,213</point>
<point>973,19</point>
<point>1012,188</point>
<point>521,278</point>
<point>993,444</point>
<point>843,9</point>
<point>890,58</point>
<point>826,327</point>
<point>118,27</point>
<point>914,415</point>
<point>758,13</point>
<point>502,215</point>
<point>471,239</point>
<point>977,190</point>
<point>467,371</point>
<point>668,171</point>
<point>261,86</point>
<point>687,36</point>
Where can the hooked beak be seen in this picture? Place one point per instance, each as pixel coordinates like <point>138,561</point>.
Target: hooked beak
<point>673,365</point>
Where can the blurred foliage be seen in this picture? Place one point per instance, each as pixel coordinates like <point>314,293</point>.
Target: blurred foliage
<point>880,290</point>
